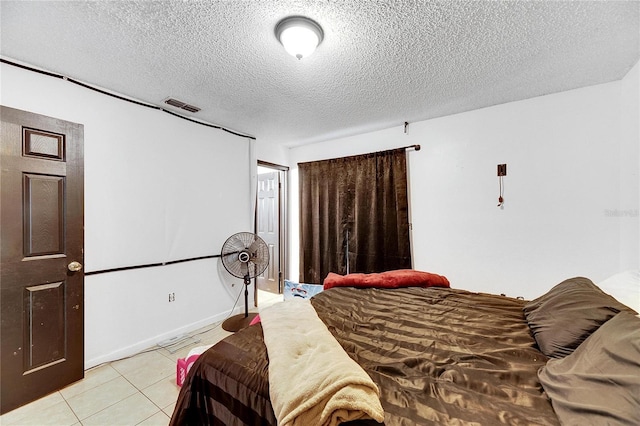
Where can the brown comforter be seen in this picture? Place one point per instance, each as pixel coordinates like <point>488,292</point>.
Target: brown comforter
<point>439,356</point>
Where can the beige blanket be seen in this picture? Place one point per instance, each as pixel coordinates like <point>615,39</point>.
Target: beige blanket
<point>312,380</point>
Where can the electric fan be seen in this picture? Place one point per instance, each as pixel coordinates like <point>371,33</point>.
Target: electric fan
<point>244,255</point>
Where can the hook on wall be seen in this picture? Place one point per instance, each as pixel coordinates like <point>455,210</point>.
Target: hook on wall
<point>502,172</point>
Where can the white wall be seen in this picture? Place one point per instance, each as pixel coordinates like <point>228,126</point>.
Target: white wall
<point>157,189</point>
<point>566,157</point>
<point>627,211</point>
<point>272,153</point>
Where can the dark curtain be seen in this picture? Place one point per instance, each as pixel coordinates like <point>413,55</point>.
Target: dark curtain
<point>359,200</point>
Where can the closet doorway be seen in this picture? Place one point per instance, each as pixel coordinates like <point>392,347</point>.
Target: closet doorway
<point>271,226</point>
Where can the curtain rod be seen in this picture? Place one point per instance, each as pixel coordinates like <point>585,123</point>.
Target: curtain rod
<point>415,147</point>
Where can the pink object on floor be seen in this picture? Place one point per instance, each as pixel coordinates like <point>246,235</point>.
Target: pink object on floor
<point>184,364</point>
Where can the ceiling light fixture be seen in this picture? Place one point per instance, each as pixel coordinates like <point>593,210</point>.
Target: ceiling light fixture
<point>299,35</point>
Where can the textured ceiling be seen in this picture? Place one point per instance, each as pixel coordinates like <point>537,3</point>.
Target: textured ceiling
<point>381,62</point>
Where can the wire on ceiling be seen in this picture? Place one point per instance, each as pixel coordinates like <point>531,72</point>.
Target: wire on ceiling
<point>113,95</point>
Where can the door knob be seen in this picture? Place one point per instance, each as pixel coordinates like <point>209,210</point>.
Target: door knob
<point>74,266</point>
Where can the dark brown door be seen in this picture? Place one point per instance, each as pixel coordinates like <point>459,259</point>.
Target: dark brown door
<point>41,296</point>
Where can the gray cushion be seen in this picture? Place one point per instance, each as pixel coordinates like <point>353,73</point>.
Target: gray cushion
<point>599,383</point>
<point>567,314</point>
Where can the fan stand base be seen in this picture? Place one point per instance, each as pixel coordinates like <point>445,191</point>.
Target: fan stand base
<point>238,322</point>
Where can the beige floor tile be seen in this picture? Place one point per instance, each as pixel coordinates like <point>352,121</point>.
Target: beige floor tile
<point>32,408</point>
<point>207,335</point>
<point>129,411</point>
<point>92,378</point>
<point>266,298</point>
<point>133,363</point>
<point>163,392</point>
<point>168,410</point>
<point>59,414</point>
<point>146,369</point>
<point>100,397</point>
<point>127,391</point>
<point>158,419</point>
<point>214,335</point>
<point>181,352</point>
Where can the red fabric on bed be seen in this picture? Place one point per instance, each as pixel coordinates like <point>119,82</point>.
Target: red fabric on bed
<point>389,279</point>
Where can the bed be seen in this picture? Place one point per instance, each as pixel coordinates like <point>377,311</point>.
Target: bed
<point>440,355</point>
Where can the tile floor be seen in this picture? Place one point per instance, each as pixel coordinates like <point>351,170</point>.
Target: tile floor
<point>140,390</point>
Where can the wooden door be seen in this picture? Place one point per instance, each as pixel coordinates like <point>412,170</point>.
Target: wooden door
<point>269,229</point>
<point>41,298</point>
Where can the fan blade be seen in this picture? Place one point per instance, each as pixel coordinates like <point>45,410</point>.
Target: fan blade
<point>232,256</point>
<point>259,266</point>
<point>253,248</point>
<point>235,244</point>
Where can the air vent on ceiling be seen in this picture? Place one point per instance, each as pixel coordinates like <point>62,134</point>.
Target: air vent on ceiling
<point>182,105</point>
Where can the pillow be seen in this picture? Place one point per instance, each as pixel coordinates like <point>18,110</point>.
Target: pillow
<point>598,384</point>
<point>625,287</point>
<point>389,279</point>
<point>567,314</point>
<point>299,290</point>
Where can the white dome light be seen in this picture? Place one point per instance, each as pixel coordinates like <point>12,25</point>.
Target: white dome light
<point>299,35</point>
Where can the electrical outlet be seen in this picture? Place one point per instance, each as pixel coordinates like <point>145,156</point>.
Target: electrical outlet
<point>172,297</point>
<point>502,169</point>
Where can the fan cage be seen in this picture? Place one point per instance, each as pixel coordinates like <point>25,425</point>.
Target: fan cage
<point>245,255</point>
